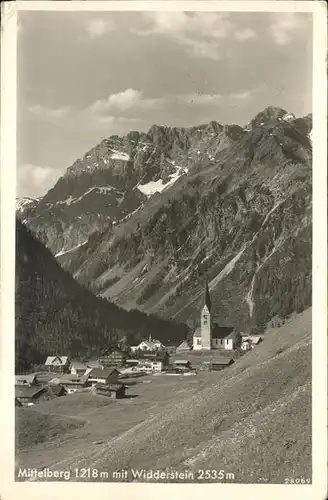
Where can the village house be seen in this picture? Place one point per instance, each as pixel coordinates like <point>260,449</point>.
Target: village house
<point>105,376</point>
<point>57,390</point>
<point>94,363</point>
<point>211,336</point>
<point>113,357</point>
<point>71,383</point>
<point>253,340</point>
<point>221,363</point>
<point>78,368</point>
<point>91,365</point>
<point>245,345</point>
<point>154,356</point>
<point>28,379</point>
<point>157,366</point>
<point>57,364</point>
<point>182,364</point>
<point>131,363</point>
<point>28,395</point>
<point>113,391</point>
<point>151,345</point>
<point>171,349</point>
<point>145,367</point>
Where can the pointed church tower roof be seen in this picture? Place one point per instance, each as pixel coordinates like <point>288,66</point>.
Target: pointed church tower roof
<point>207,297</point>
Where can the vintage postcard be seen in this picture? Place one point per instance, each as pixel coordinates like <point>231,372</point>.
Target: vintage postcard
<point>163,249</point>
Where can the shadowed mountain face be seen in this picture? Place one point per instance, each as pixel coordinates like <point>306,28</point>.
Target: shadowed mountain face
<point>148,218</point>
<point>55,314</point>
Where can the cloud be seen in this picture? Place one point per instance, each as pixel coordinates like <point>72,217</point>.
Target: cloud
<point>127,99</point>
<point>242,96</point>
<point>209,24</point>
<point>245,34</point>
<point>200,98</point>
<point>124,101</point>
<point>200,33</point>
<point>131,107</point>
<point>98,27</point>
<point>48,113</point>
<point>284,28</point>
<point>34,180</point>
<point>215,99</point>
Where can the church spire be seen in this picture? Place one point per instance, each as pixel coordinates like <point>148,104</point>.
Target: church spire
<point>207,297</point>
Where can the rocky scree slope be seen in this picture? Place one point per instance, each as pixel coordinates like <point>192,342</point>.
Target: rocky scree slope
<point>240,216</point>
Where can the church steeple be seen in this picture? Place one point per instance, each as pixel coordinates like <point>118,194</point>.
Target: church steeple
<point>207,298</point>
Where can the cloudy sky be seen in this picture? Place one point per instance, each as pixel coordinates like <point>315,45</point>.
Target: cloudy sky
<point>85,76</point>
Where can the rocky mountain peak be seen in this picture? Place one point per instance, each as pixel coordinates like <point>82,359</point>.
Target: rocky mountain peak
<point>175,205</point>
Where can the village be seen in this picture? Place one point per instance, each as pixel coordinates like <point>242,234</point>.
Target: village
<point>112,374</point>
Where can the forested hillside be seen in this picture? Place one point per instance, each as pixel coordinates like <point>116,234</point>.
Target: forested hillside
<point>54,313</point>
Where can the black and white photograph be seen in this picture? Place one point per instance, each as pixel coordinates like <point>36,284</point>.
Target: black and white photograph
<point>163,281</point>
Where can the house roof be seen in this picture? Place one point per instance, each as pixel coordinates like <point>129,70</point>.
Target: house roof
<point>218,332</point>
<point>99,373</point>
<point>254,339</point>
<point>151,344</point>
<point>222,332</point>
<point>221,361</point>
<point>25,379</point>
<point>22,391</point>
<point>183,346</point>
<point>110,351</point>
<point>68,379</point>
<point>94,364</point>
<point>57,389</point>
<point>158,355</point>
<point>51,359</point>
<point>109,387</point>
<point>78,365</point>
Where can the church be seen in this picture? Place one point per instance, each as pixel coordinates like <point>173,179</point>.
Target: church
<point>211,336</point>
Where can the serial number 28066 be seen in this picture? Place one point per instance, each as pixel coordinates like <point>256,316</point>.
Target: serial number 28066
<point>214,475</point>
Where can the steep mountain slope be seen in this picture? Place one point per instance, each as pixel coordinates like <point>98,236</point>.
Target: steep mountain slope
<point>236,210</point>
<point>24,205</point>
<point>242,220</point>
<point>55,314</point>
<point>253,420</point>
<point>116,177</point>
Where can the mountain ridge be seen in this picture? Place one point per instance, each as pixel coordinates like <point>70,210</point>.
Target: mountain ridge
<point>241,206</point>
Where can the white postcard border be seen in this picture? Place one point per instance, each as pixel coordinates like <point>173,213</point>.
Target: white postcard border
<point>11,490</point>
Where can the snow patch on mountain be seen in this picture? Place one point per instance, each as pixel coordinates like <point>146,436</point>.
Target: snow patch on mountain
<point>101,190</point>
<point>63,251</point>
<point>23,203</point>
<point>153,187</point>
<point>119,155</point>
<point>288,117</point>
<point>68,201</point>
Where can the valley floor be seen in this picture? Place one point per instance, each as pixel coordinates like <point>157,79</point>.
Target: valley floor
<point>251,421</point>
